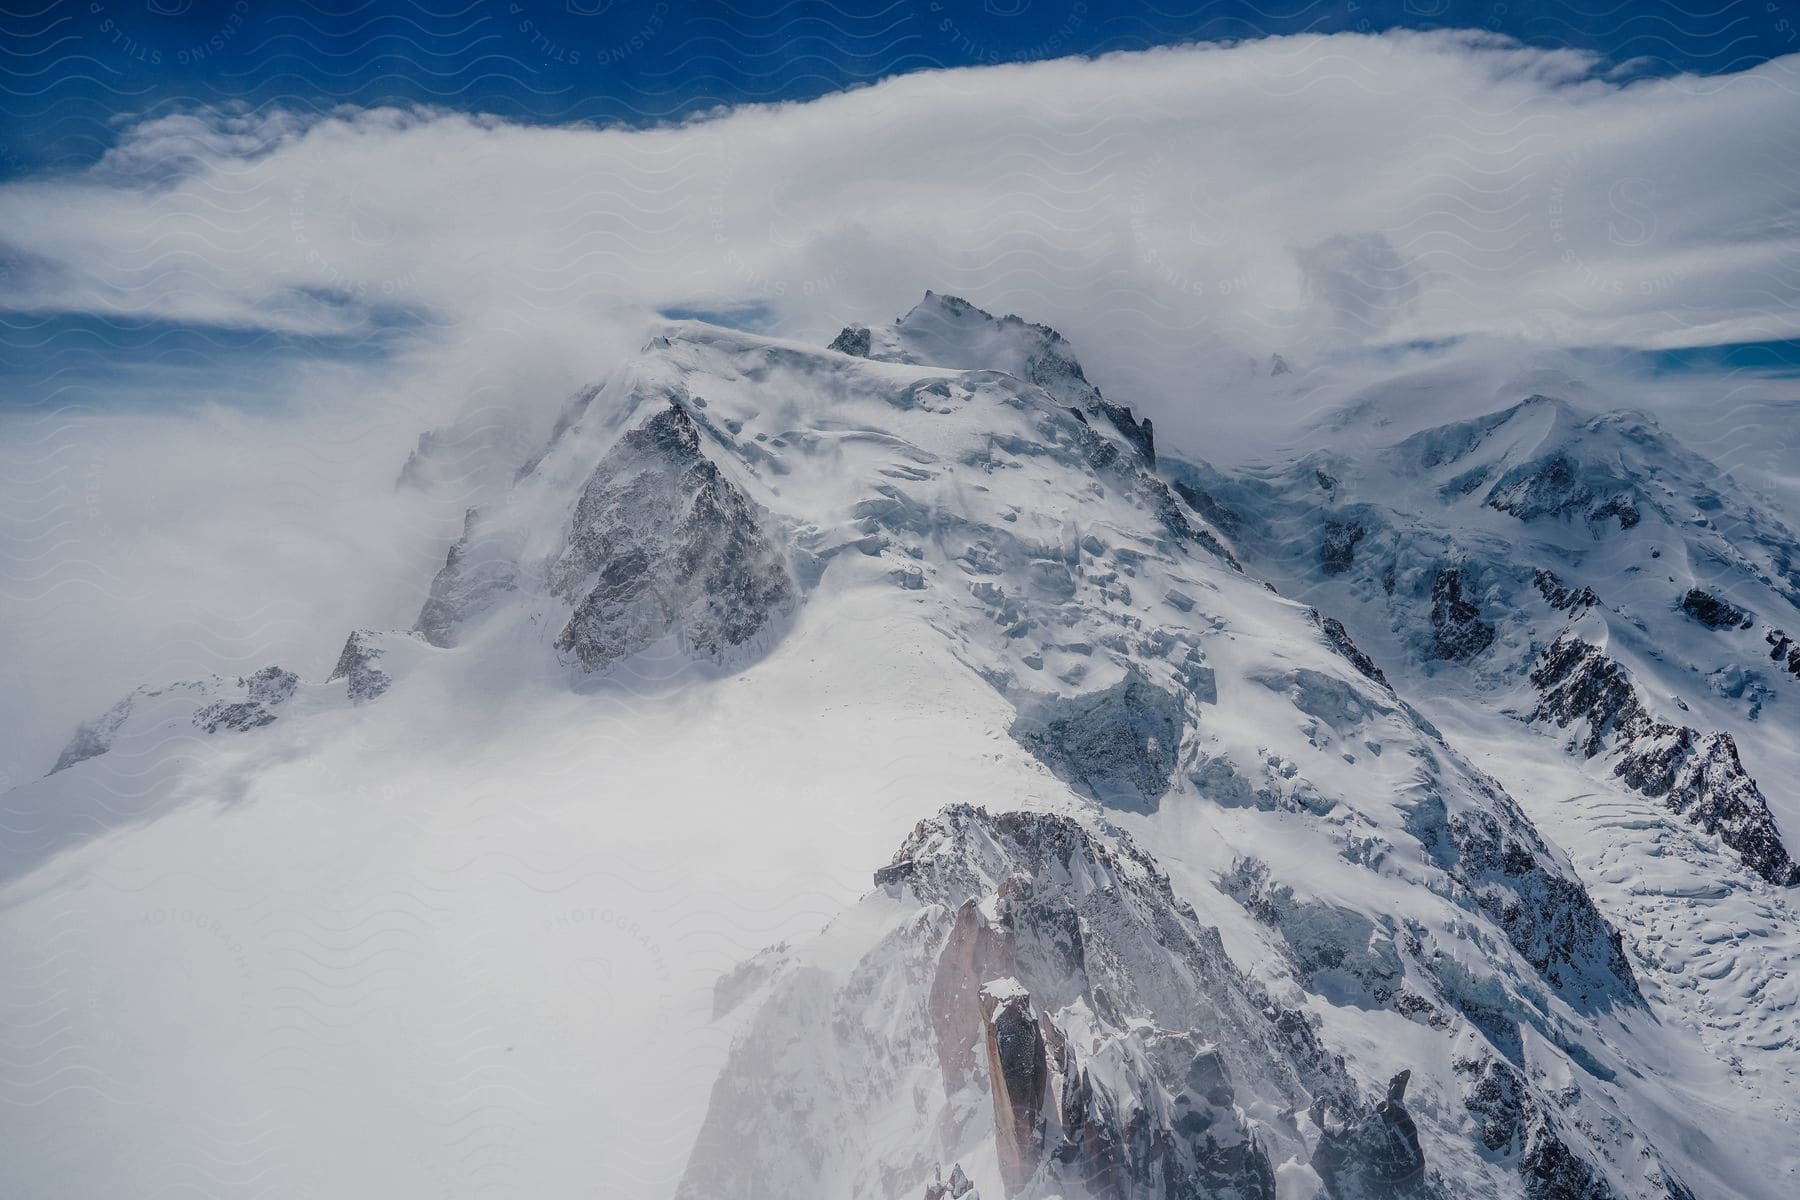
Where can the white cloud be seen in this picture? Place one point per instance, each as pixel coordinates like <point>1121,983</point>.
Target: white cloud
<point>1180,214</point>
<point>1516,190</point>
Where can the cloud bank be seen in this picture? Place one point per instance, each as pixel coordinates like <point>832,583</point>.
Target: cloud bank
<point>1181,214</point>
<point>1283,192</point>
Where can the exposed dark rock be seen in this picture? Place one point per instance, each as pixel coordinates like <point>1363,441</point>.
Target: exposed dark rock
<point>1548,916</point>
<point>957,1187</point>
<point>240,717</point>
<point>1204,503</point>
<point>1036,353</point>
<point>1580,684</point>
<point>1496,1096</point>
<point>1557,486</point>
<point>1337,552</point>
<point>266,690</point>
<point>662,543</point>
<point>1511,1120</point>
<point>1458,632</point>
<point>263,691</point>
<point>1548,487</point>
<point>853,339</point>
<point>1278,365</point>
<point>1138,431</point>
<point>271,685</point>
<point>1119,745</point>
<point>1077,918</point>
<point>1620,508</point>
<point>1698,775</point>
<point>1783,650</point>
<point>1052,366</point>
<point>1713,611</point>
<point>1020,1072</point>
<point>1561,597</point>
<point>363,680</point>
<point>1378,1156</point>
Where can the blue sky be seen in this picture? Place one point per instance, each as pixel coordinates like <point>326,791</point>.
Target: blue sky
<point>129,126</point>
<point>75,67</point>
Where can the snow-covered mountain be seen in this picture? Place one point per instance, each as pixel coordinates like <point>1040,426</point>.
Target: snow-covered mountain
<point>872,772</point>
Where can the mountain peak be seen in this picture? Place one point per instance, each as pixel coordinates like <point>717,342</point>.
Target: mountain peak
<point>948,331</point>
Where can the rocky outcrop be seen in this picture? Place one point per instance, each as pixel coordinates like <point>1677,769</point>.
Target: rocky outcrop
<point>1458,631</point>
<point>265,691</point>
<point>236,706</point>
<point>1507,872</point>
<point>1513,1122</point>
<point>1208,506</point>
<point>1714,612</point>
<point>948,331</point>
<point>1100,1077</point>
<point>663,544</point>
<point>1045,974</point>
<point>1559,486</point>
<point>1698,775</point>
<point>1018,1071</point>
<point>1376,1156</point>
<point>1622,508</point>
<point>1550,487</point>
<point>957,1187</point>
<point>1784,651</point>
<point>356,666</point>
<point>1052,366</point>
<point>1560,596</point>
<point>1340,640</point>
<point>853,340</point>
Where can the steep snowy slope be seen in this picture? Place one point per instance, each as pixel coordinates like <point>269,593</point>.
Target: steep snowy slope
<point>1600,616</point>
<point>845,772</point>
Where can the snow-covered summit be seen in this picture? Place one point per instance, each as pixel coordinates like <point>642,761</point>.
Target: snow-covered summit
<point>1199,888</point>
<point>948,331</point>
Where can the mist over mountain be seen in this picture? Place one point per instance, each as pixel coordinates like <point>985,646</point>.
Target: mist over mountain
<point>1088,820</point>
<point>1012,601</point>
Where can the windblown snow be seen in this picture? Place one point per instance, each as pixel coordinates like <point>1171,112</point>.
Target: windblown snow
<point>877,771</point>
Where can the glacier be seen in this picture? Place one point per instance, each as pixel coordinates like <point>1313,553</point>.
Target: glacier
<point>880,770</point>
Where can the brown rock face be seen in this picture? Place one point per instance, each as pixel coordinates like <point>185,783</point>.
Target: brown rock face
<point>974,953</point>
<point>1020,1071</point>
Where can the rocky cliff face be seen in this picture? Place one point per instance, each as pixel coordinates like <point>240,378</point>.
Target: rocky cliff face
<point>357,666</point>
<point>663,544</point>
<point>1698,775</point>
<point>1055,1020</point>
<point>264,692</point>
<point>1067,1002</point>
